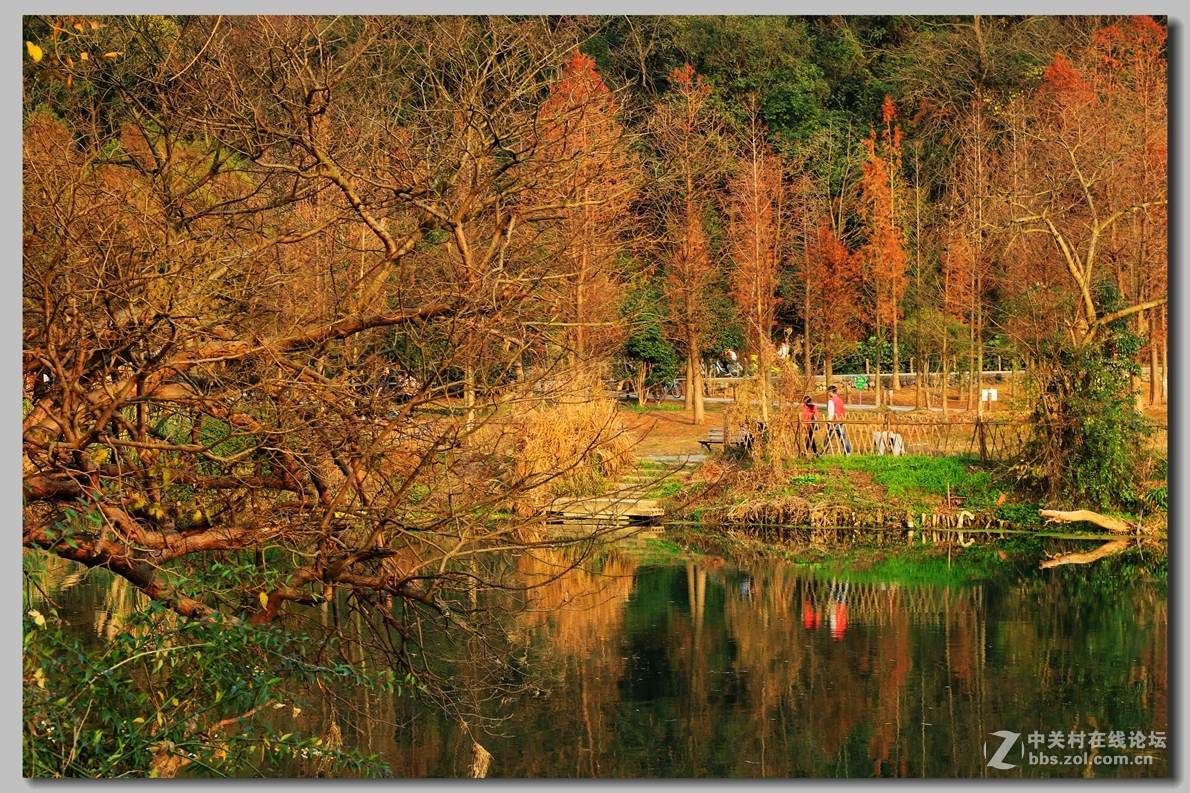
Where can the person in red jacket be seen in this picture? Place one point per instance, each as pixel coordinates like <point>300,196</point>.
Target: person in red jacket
<point>835,412</point>
<point>809,423</point>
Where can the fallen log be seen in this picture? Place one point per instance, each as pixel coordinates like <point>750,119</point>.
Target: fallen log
<point>1107,549</point>
<point>1111,524</point>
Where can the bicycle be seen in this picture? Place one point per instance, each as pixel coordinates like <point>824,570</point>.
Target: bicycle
<point>721,368</point>
<point>672,388</point>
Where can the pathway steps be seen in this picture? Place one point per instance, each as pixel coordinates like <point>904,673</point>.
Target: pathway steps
<point>627,501</point>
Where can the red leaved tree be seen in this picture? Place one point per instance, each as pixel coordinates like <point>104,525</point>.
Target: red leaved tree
<point>581,126</point>
<point>958,268</point>
<point>1094,159</point>
<point>837,273</point>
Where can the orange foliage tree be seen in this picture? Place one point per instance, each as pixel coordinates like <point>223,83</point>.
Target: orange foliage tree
<point>958,267</point>
<point>756,195</point>
<point>836,272</point>
<point>581,125</point>
<point>687,131</point>
<point>218,268</point>
<point>1094,157</point>
<point>884,251</point>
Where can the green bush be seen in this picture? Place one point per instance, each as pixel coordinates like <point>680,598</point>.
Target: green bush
<point>163,697</point>
<point>1089,448</point>
<point>1157,498</point>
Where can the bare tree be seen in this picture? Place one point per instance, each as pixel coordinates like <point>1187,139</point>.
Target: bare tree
<point>281,275</point>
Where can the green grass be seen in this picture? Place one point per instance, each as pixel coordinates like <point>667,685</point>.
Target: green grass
<point>664,489</point>
<point>665,407</point>
<point>805,479</point>
<point>909,478</point>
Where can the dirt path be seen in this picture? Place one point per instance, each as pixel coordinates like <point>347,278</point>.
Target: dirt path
<point>669,432</point>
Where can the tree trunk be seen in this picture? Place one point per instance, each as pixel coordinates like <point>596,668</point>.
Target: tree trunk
<point>828,368</point>
<point>1164,397</point>
<point>920,368</point>
<point>945,384</point>
<point>896,362</point>
<point>971,369</point>
<point>694,386</point>
<point>1087,516</point>
<point>879,355</point>
<point>688,394</point>
<point>879,385</point>
<point>806,357</point>
<point>1163,390</point>
<point>1154,387</point>
<point>469,394</point>
<point>765,365</point>
<point>978,390</point>
<point>806,300</point>
<point>923,393</point>
<point>1107,549</point>
<point>1135,384</point>
<point>918,384</point>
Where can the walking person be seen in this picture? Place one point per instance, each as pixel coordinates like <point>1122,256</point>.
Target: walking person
<point>809,423</point>
<point>835,413</point>
<point>837,610</point>
<point>783,350</point>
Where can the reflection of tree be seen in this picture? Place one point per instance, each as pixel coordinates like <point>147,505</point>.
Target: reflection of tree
<point>645,686</point>
<point>577,619</point>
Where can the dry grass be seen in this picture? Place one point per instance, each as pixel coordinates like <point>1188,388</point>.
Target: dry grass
<point>782,439</point>
<point>790,510</point>
<point>572,446</point>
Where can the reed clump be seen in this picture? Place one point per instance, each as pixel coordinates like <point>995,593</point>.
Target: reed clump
<point>569,447</point>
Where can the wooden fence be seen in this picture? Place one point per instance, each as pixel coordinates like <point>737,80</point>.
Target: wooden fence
<point>987,439</point>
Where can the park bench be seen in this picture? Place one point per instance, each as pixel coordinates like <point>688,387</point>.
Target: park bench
<point>739,437</point>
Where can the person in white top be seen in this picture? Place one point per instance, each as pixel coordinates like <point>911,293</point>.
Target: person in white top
<point>835,412</point>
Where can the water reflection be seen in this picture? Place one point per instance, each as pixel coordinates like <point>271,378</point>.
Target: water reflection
<point>707,670</point>
<point>697,669</point>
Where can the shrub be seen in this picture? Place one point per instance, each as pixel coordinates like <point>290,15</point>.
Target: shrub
<point>163,697</point>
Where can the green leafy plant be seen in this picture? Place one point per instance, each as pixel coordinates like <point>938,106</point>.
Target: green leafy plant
<point>1089,447</point>
<point>1157,498</point>
<point>164,697</point>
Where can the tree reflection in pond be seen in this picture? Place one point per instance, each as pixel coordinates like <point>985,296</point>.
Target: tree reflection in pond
<point>693,671</point>
<point>708,670</point>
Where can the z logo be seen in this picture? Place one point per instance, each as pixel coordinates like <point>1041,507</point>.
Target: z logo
<point>997,760</point>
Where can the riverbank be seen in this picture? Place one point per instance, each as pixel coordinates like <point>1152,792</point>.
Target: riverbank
<point>809,505</point>
<point>931,559</point>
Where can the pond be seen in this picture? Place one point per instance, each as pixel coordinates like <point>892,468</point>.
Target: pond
<point>767,670</point>
<point>712,668</point>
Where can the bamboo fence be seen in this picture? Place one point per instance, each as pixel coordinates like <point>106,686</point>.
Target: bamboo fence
<point>987,439</point>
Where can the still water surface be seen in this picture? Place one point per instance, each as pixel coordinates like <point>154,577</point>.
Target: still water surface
<point>765,669</point>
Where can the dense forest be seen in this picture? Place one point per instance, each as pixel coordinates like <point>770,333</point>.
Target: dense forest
<point>319,311</point>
